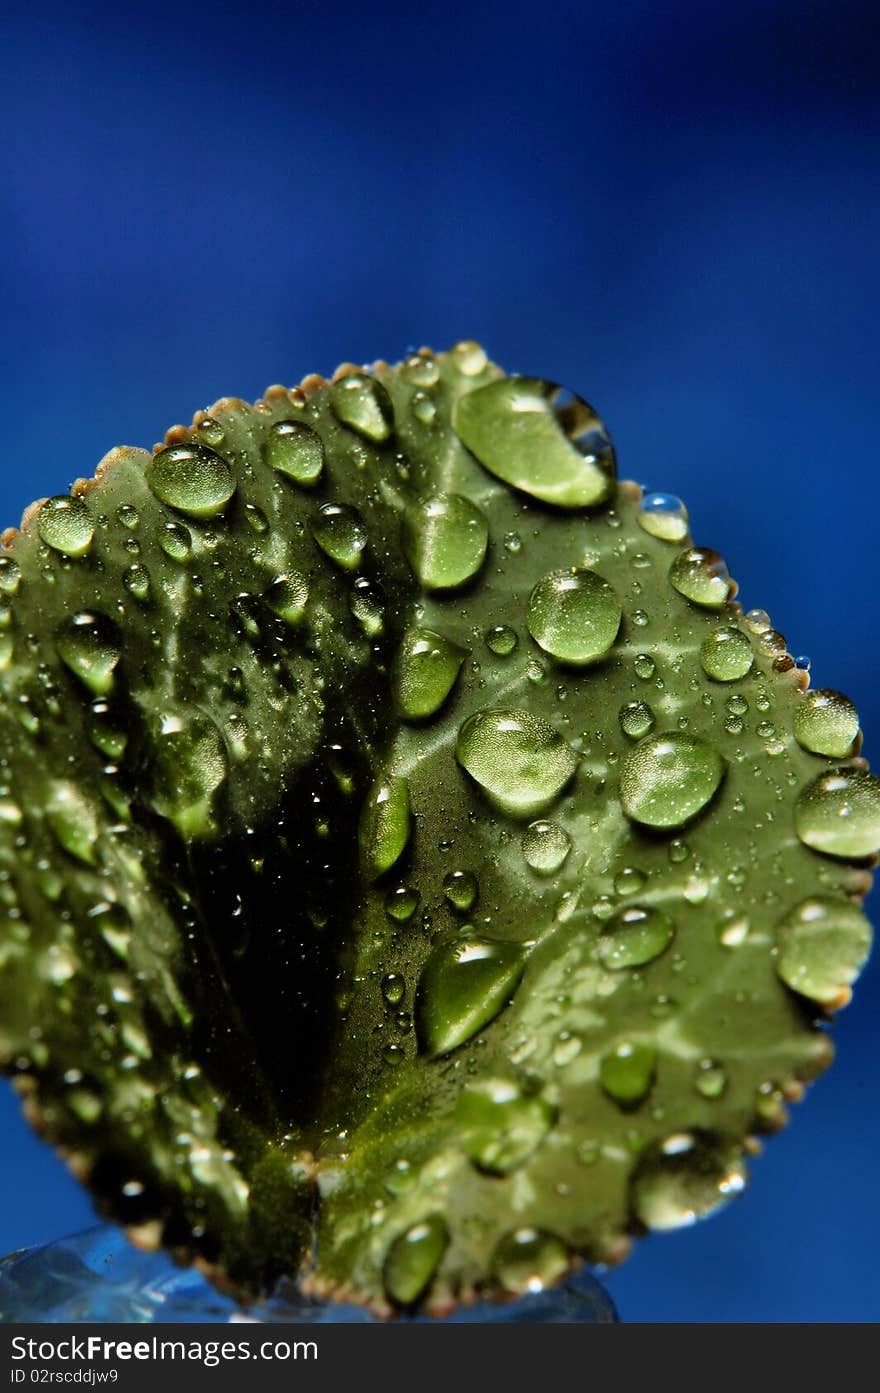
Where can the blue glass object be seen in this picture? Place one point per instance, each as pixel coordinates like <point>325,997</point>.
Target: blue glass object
<point>98,1276</point>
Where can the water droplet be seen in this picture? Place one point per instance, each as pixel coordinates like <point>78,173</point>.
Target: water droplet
<point>384,825</point>
<point>421,370</point>
<point>519,760</point>
<point>423,408</point>
<point>634,936</point>
<point>664,516</point>
<point>90,645</point>
<point>192,478</point>
<point>211,431</point>
<point>364,405</point>
<point>176,541</point>
<point>574,615</point>
<point>469,358</point>
<point>401,903</point>
<point>106,731</point>
<point>826,723</point>
<point>545,846</point>
<point>645,666</point>
<point>296,451</point>
<point>822,946</point>
<point>629,881</point>
<point>341,534</point>
<point>65,524</point>
<point>136,580</point>
<point>627,1072</point>
<point>710,1080</point>
<point>288,596</point>
<point>726,654</point>
<point>466,981</point>
<point>543,441</point>
<point>425,671</point>
<point>684,1178</point>
<point>701,575</point>
<point>460,889</point>
<point>189,766</point>
<point>367,603</point>
<point>839,813</point>
<point>636,719</point>
<point>500,1123</point>
<point>73,821</point>
<point>668,779</point>
<point>733,930</point>
<point>10,575</point>
<point>445,537</point>
<point>413,1259</point>
<point>501,640</point>
<point>528,1260</point>
<point>393,988</point>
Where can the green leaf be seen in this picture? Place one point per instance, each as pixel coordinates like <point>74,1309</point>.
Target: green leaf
<point>415,869</point>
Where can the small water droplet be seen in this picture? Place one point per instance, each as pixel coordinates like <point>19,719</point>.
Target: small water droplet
<point>413,1259</point>
<point>423,408</point>
<point>288,596</point>
<point>340,533</point>
<point>500,1123</point>
<point>211,431</point>
<point>839,813</point>
<point>726,654</point>
<point>65,524</point>
<point>362,403</point>
<point>90,646</point>
<point>10,575</point>
<point>296,451</point>
<point>822,946</point>
<point>520,761</point>
<point>701,575</point>
<point>501,640</point>
<point>546,442</point>
<point>460,889</point>
<point>393,988</point>
<point>465,983</point>
<point>445,537</point>
<point>733,930</point>
<point>668,779</point>
<point>645,666</point>
<point>176,541</point>
<point>528,1260</point>
<point>385,825</point>
<point>421,370</point>
<point>634,936</point>
<point>710,1079</point>
<point>826,723</point>
<point>664,516</point>
<point>626,1073</point>
<point>401,903</point>
<point>574,615</point>
<point>191,478</point>
<point>136,580</point>
<point>367,603</point>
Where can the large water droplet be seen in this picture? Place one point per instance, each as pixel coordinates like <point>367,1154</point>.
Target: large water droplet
<point>384,825</point>
<point>822,946</point>
<point>465,983</point>
<point>636,719</point>
<point>664,516</point>
<point>839,813</point>
<point>627,1072</point>
<point>500,1123</point>
<point>188,769</point>
<point>65,524</point>
<point>445,537</point>
<point>826,723</point>
<point>73,821</point>
<point>90,645</point>
<point>528,1260</point>
<point>297,451</point>
<point>633,936</point>
<point>726,654</point>
<point>684,1178</point>
<point>363,404</point>
<point>288,597</point>
<point>548,443</point>
<point>667,779</point>
<point>340,533</point>
<point>574,615</point>
<point>192,478</point>
<point>701,575</point>
<point>520,761</point>
<point>425,670</point>
<point>545,846</point>
<point>413,1259</point>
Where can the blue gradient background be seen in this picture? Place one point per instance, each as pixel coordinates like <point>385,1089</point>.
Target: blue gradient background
<point>672,208</point>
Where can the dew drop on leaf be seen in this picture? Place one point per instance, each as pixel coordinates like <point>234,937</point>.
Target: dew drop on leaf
<point>634,936</point>
<point>839,813</point>
<point>90,645</point>
<point>191,478</point>
<point>664,516</point>
<point>668,779</point>
<point>65,524</point>
<point>683,1178</point>
<point>574,616</point>
<point>425,670</point>
<point>340,533</point>
<point>363,404</point>
<point>545,846</point>
<point>445,537</point>
<point>822,946</point>
<point>520,761</point>
<point>466,981</point>
<point>529,1260</point>
<point>701,575</point>
<point>826,723</point>
<point>500,1123</point>
<point>726,654</point>
<point>626,1073</point>
<point>295,450</point>
<point>636,719</point>
<point>384,825</point>
<point>413,1259</point>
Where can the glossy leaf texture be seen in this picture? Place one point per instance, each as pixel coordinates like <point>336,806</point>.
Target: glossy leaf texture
<point>417,872</point>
